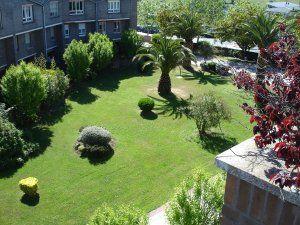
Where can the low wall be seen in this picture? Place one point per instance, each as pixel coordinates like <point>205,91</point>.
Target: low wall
<point>250,197</point>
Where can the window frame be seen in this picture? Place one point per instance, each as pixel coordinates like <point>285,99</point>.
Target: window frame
<point>82,34</point>
<point>112,6</point>
<point>27,18</point>
<point>1,18</point>
<point>55,13</point>
<point>118,28</point>
<point>52,33</point>
<point>73,4</point>
<point>103,24</point>
<point>27,39</point>
<point>67,28</point>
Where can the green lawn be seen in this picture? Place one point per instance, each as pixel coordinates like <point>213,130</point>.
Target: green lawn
<point>152,155</point>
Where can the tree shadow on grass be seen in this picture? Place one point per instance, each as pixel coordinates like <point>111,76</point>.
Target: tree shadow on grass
<point>83,95</point>
<point>205,78</point>
<point>54,116</point>
<point>30,200</point>
<point>216,143</point>
<point>149,115</point>
<point>172,105</point>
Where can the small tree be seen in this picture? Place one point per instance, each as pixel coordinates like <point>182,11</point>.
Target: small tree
<point>276,114</point>
<point>78,60</point>
<point>101,50</point>
<point>130,43</point>
<point>208,111</point>
<point>233,26</point>
<point>24,88</point>
<point>165,54</point>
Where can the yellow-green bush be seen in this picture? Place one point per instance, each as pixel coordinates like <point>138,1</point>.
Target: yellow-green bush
<point>29,185</point>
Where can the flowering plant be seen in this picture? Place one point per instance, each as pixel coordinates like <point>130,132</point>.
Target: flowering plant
<point>276,113</point>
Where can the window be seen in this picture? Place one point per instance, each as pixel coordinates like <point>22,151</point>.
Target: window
<point>117,26</point>
<point>76,7</point>
<point>27,13</point>
<point>52,33</point>
<point>102,27</point>
<point>113,6</point>
<point>54,8</point>
<point>82,30</point>
<point>27,39</point>
<point>67,31</point>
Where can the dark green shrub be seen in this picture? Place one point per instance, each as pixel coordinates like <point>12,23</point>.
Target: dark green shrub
<point>121,215</point>
<point>202,206</point>
<point>209,67</point>
<point>14,150</point>
<point>24,88</point>
<point>101,50</point>
<point>57,84</point>
<point>130,43</point>
<point>78,60</point>
<point>146,104</point>
<point>205,49</point>
<point>155,38</point>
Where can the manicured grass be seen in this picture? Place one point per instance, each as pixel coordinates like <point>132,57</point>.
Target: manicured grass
<point>152,155</point>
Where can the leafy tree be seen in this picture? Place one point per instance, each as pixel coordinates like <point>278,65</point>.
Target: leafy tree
<point>101,51</point>
<point>263,30</point>
<point>24,88</point>
<point>130,43</point>
<point>208,111</point>
<point>165,54</point>
<point>78,60</point>
<point>233,26</point>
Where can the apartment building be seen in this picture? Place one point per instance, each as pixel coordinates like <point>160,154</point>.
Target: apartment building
<point>31,27</point>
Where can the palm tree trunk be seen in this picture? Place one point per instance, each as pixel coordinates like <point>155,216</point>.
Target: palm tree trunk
<point>260,70</point>
<point>164,85</point>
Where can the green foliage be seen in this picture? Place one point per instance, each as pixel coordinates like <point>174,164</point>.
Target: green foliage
<point>29,186</point>
<point>57,84</point>
<point>233,26</point>
<point>101,49</point>
<point>155,37</point>
<point>121,215</point>
<point>198,201</point>
<point>209,66</point>
<point>78,60</point>
<point>205,49</point>
<point>14,150</point>
<point>146,104</point>
<point>40,61</point>
<point>208,111</point>
<point>130,43</point>
<point>24,88</point>
<point>263,29</point>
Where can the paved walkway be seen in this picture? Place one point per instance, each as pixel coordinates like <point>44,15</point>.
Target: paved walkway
<point>158,216</point>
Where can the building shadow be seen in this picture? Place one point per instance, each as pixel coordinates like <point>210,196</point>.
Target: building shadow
<point>30,200</point>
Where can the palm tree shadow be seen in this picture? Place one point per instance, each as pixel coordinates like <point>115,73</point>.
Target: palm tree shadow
<point>216,143</point>
<point>171,105</point>
<point>205,78</point>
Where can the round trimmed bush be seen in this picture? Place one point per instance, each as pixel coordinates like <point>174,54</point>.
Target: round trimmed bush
<point>121,215</point>
<point>29,186</point>
<point>94,135</point>
<point>146,104</point>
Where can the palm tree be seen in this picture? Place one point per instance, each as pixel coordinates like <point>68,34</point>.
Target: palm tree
<point>264,31</point>
<point>165,54</point>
